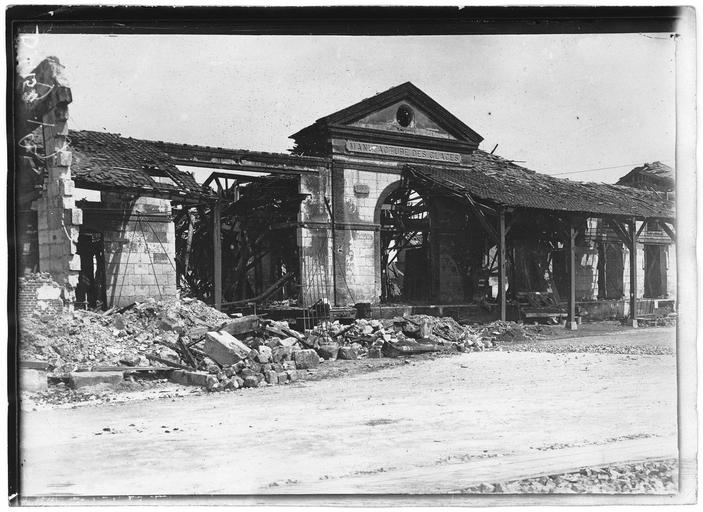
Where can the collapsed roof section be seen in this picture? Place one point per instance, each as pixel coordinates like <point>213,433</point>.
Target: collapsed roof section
<point>107,161</point>
<point>651,176</point>
<point>492,178</point>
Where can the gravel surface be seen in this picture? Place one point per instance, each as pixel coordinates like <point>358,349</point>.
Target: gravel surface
<point>562,346</point>
<point>658,477</point>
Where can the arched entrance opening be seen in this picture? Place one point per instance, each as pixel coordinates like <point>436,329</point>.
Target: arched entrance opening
<point>405,247</point>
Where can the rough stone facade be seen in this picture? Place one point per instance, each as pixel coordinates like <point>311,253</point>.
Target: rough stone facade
<point>369,147</point>
<point>139,247</point>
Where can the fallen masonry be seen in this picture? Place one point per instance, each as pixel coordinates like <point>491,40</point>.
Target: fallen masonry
<point>193,344</point>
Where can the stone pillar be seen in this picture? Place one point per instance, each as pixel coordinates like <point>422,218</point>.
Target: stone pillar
<point>58,219</point>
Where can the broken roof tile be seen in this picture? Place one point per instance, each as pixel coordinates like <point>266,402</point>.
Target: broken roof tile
<point>496,179</point>
<point>108,161</point>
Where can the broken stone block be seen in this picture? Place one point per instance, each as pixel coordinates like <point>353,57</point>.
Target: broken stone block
<point>171,324</point>
<point>199,378</point>
<point>177,376</point>
<point>241,325</point>
<point>328,350</point>
<point>280,354</point>
<point>251,381</point>
<point>130,359</point>
<point>254,366</point>
<point>224,348</point>
<point>282,377</point>
<point>240,381</point>
<point>273,342</point>
<point>33,380</point>
<point>289,365</point>
<point>288,342</point>
<point>167,353</point>
<point>265,354</point>
<point>271,377</point>
<point>305,359</point>
<point>212,383</point>
<point>246,372</point>
<point>118,322</point>
<point>292,375</point>
<point>347,353</point>
<point>83,379</point>
<point>375,353</point>
<point>188,378</point>
<point>425,328</point>
<point>231,384</point>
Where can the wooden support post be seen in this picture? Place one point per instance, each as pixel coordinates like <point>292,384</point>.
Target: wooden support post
<point>632,247</point>
<point>501,264</point>
<point>571,323</point>
<point>217,253</point>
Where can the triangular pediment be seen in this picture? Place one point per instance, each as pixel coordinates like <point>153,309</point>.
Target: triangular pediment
<point>403,117</point>
<point>403,109</point>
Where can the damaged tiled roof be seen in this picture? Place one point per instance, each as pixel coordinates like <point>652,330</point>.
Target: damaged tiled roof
<point>495,179</point>
<point>652,176</point>
<point>107,161</point>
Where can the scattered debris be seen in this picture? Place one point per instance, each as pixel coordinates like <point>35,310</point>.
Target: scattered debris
<point>640,478</point>
<point>194,344</point>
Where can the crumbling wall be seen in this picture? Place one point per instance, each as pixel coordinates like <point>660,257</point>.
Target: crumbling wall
<point>39,293</point>
<point>58,219</point>
<point>315,240</point>
<point>139,239</point>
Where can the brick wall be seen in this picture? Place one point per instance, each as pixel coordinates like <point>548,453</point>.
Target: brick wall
<point>140,245</point>
<point>39,293</point>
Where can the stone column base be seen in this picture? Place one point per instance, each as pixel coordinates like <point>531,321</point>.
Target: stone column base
<point>571,325</point>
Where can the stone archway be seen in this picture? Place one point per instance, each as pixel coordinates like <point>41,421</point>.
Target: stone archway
<point>404,254</point>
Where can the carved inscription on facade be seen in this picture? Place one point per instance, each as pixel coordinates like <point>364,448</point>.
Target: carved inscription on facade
<point>400,151</point>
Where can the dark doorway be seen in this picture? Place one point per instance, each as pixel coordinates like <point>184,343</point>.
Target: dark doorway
<point>610,271</point>
<point>405,231</point>
<point>90,292</point>
<point>654,271</point>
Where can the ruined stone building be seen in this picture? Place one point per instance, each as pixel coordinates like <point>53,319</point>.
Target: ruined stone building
<point>388,201</point>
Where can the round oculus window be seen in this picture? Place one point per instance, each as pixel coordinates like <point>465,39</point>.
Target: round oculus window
<point>404,115</point>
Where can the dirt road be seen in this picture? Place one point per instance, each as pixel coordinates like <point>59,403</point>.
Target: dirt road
<point>408,425</point>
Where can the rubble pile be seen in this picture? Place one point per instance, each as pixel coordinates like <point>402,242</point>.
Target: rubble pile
<point>81,339</point>
<point>500,331</point>
<point>69,341</point>
<point>199,345</point>
<point>656,477</point>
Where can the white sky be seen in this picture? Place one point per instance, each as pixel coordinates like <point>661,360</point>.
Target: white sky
<point>560,103</point>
